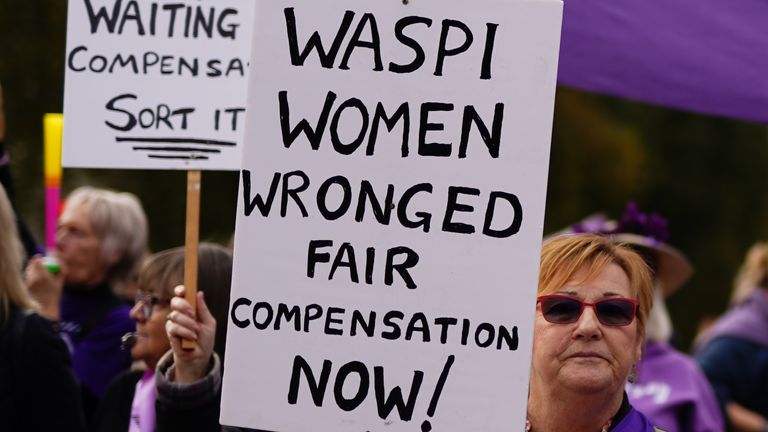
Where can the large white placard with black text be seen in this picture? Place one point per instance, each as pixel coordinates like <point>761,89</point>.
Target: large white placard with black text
<point>390,216</point>
<point>156,85</point>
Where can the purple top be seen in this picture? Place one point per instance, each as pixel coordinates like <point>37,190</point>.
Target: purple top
<point>673,392</point>
<point>707,57</point>
<point>92,322</point>
<point>143,405</point>
<point>634,421</point>
<point>742,320</point>
<point>734,354</point>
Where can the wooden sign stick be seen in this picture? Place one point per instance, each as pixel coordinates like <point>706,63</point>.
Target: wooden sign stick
<point>191,241</point>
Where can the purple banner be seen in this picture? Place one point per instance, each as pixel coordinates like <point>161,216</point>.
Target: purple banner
<point>704,56</point>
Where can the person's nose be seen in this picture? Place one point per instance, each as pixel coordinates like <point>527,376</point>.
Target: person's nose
<point>588,326</point>
<point>137,312</point>
<point>62,239</point>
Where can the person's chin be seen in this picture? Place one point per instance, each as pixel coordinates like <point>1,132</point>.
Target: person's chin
<point>79,282</point>
<point>75,284</point>
<point>137,350</point>
<point>587,376</point>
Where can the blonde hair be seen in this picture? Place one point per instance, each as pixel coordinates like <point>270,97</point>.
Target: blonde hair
<point>752,274</point>
<point>120,223</point>
<point>564,256</point>
<point>13,292</point>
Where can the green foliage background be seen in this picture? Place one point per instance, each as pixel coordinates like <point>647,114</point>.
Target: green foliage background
<point>707,175</point>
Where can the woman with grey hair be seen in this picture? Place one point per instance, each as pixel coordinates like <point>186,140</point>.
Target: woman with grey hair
<point>35,368</point>
<point>100,243</point>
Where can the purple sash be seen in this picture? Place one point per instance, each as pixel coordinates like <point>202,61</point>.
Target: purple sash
<point>741,321</point>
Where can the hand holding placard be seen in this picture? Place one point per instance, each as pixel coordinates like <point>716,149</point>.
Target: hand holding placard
<point>186,323</point>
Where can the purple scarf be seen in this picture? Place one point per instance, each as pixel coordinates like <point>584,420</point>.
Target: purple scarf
<point>634,421</point>
<point>92,322</point>
<point>673,393</point>
<point>742,320</point>
<point>143,407</point>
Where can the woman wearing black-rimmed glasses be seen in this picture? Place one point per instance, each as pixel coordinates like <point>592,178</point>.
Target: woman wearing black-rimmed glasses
<point>594,297</point>
<point>131,400</point>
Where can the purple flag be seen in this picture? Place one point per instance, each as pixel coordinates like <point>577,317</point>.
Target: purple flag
<point>704,56</point>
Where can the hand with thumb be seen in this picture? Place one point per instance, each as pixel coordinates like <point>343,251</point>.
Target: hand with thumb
<point>199,326</point>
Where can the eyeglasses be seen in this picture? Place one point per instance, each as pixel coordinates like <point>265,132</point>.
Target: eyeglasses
<point>614,311</point>
<point>149,301</point>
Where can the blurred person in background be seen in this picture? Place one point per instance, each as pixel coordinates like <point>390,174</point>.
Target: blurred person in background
<point>734,351</point>
<point>100,243</point>
<point>666,385</point>
<point>129,404</point>
<point>28,241</point>
<point>38,391</point>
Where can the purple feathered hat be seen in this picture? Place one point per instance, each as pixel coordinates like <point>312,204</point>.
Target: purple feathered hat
<point>649,232</point>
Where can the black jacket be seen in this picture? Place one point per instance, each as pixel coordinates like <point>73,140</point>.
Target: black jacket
<point>193,407</point>
<point>38,391</point>
<point>114,413</point>
<point>178,408</point>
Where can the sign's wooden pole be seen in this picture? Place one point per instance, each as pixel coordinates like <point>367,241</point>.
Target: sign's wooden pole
<point>191,241</point>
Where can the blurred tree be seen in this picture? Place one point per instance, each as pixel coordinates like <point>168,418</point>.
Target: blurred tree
<point>32,73</point>
<point>706,175</point>
<point>594,159</point>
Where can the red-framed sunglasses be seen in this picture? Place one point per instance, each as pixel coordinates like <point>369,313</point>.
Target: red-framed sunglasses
<point>613,311</point>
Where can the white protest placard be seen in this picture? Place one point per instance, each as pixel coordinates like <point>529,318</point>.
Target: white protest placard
<point>156,85</point>
<point>391,214</point>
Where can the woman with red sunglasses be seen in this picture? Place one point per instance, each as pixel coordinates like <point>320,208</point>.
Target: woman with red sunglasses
<point>594,297</point>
